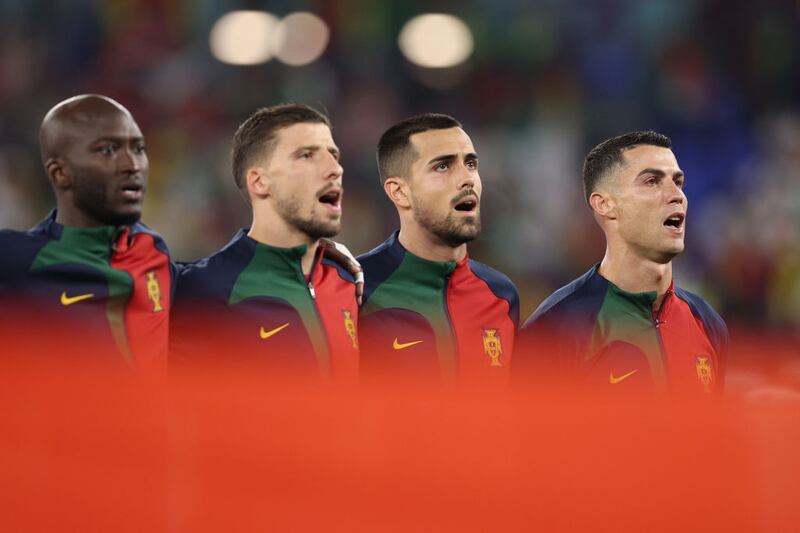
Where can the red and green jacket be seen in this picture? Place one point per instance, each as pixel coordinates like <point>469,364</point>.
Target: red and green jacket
<point>595,332</point>
<point>251,304</point>
<point>87,292</point>
<point>422,318</point>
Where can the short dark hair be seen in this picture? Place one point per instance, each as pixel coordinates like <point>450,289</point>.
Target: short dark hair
<point>395,152</point>
<point>609,153</point>
<point>255,136</point>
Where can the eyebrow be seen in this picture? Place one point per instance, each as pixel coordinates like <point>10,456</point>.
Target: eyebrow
<point>115,138</point>
<point>315,147</point>
<point>446,158</point>
<point>660,173</point>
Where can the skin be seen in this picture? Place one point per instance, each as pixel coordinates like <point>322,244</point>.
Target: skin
<point>286,186</point>
<point>631,204</point>
<point>94,154</point>
<point>444,173</point>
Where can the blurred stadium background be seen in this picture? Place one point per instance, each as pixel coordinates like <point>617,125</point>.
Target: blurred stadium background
<point>536,83</point>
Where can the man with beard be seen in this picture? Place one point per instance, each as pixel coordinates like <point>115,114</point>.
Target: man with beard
<point>269,299</point>
<point>89,279</point>
<point>429,310</point>
<point>624,324</point>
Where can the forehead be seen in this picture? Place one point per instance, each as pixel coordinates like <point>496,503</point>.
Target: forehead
<point>646,156</point>
<point>303,134</point>
<point>117,125</point>
<point>432,143</point>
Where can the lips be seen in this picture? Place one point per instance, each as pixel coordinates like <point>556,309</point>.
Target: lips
<point>466,202</point>
<point>675,222</point>
<point>332,198</point>
<point>132,190</point>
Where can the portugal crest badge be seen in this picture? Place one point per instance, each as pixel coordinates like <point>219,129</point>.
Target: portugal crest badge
<point>492,346</point>
<point>704,372</point>
<point>154,291</point>
<point>350,326</point>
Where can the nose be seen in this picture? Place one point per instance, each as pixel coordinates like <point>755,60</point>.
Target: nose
<point>676,195</point>
<point>131,162</point>
<point>335,171</point>
<point>468,178</point>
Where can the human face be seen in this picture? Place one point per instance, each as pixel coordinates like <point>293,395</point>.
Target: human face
<point>306,179</point>
<point>650,205</point>
<point>108,166</point>
<point>445,185</point>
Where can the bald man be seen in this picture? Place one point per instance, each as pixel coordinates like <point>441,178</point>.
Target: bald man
<point>89,280</point>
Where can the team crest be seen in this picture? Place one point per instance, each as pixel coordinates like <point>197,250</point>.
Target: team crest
<point>492,346</point>
<point>154,291</point>
<point>350,326</point>
<point>704,372</point>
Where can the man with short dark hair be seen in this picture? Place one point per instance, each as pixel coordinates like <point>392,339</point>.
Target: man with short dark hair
<point>95,280</point>
<point>624,324</point>
<point>269,297</point>
<point>429,311</point>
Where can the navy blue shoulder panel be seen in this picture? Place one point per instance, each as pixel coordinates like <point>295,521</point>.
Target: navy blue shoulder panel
<point>501,285</point>
<point>579,301</point>
<point>715,326</point>
<point>17,251</point>
<point>215,275</point>
<point>159,241</point>
<point>380,263</point>
<point>341,270</point>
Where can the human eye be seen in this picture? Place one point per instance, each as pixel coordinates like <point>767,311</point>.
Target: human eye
<point>472,164</point>
<point>679,182</point>
<point>139,148</point>
<point>106,149</point>
<point>442,166</point>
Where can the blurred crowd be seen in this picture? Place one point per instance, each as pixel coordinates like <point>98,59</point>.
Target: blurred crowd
<point>547,81</point>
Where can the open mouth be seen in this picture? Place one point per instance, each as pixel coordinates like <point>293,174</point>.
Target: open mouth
<point>332,198</point>
<point>132,191</point>
<point>468,203</point>
<point>675,221</point>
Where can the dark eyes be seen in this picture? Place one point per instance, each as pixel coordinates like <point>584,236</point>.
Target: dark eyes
<point>471,164</point>
<point>111,149</point>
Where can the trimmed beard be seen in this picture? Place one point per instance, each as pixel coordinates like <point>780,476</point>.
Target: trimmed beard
<point>449,230</point>
<point>289,210</point>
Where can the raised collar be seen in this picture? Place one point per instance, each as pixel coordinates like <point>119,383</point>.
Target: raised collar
<point>424,267</point>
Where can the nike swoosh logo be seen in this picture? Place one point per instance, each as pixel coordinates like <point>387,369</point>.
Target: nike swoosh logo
<point>69,300</point>
<point>614,381</point>
<point>399,346</point>
<point>267,334</point>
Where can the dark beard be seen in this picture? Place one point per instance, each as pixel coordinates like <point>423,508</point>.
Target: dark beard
<point>92,199</point>
<point>449,230</point>
<point>289,211</point>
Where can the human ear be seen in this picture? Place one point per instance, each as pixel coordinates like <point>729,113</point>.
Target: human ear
<point>398,192</point>
<point>603,205</point>
<point>258,182</point>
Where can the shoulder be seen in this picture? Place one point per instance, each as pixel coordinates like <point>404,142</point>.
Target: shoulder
<point>380,263</point>
<point>158,240</point>
<point>19,248</point>
<point>215,273</point>
<point>713,322</point>
<point>500,284</point>
<point>341,271</point>
<point>583,296</point>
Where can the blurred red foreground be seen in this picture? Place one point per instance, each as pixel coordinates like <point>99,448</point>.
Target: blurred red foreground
<point>89,448</point>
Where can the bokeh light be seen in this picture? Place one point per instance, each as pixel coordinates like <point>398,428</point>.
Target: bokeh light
<point>300,38</point>
<point>436,40</point>
<point>243,37</point>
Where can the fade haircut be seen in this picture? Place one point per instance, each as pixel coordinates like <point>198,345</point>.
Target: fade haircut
<point>256,135</point>
<point>395,151</point>
<point>609,153</point>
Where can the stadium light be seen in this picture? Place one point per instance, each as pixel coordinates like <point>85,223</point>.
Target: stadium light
<point>436,40</point>
<point>300,38</point>
<point>243,37</point>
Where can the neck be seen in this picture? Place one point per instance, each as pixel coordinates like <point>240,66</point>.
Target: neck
<point>69,215</point>
<point>422,244</point>
<point>632,273</point>
<point>269,228</point>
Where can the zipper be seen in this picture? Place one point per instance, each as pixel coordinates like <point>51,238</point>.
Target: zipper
<point>453,340</point>
<point>657,323</point>
<point>320,323</point>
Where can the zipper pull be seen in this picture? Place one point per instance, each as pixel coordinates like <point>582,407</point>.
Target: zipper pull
<point>311,290</point>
